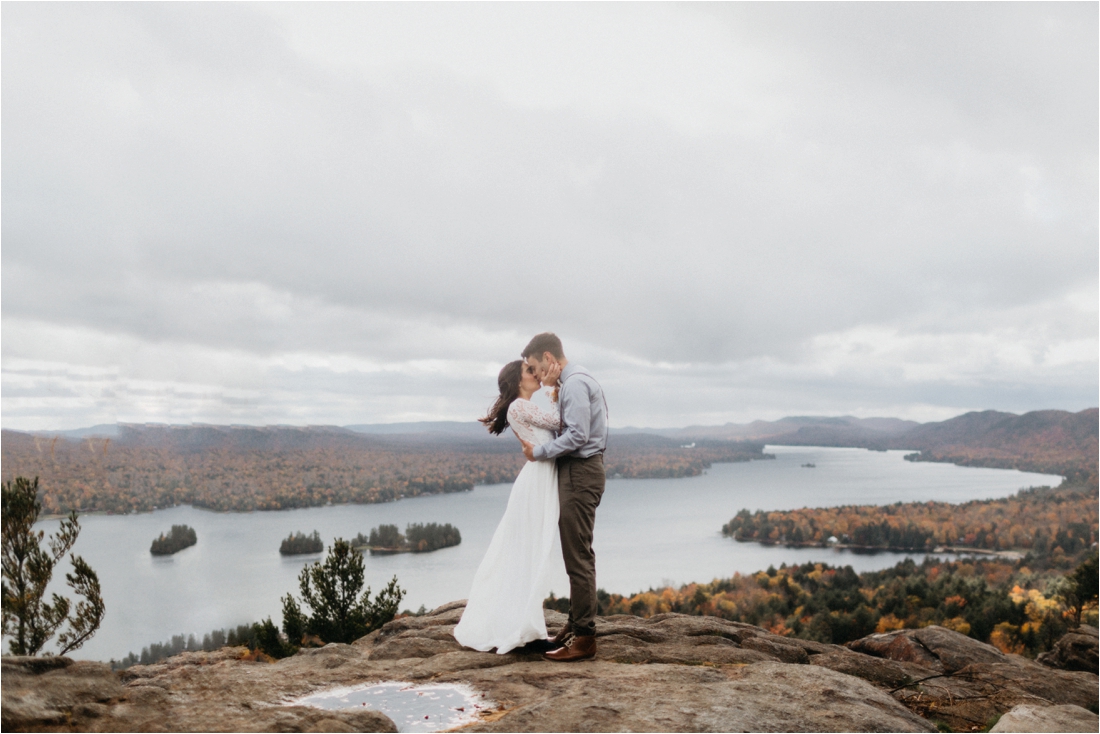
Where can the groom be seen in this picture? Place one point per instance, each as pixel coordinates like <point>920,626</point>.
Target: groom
<point>579,453</point>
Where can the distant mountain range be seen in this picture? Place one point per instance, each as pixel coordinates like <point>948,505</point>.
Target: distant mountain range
<point>131,467</point>
<point>1046,440</point>
<point>989,427</point>
<point>798,431</point>
<point>1049,441</point>
<point>758,429</point>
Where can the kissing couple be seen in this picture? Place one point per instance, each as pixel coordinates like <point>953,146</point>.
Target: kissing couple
<point>551,511</point>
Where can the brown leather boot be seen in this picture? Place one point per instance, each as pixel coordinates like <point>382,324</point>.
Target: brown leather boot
<point>563,634</point>
<point>578,647</point>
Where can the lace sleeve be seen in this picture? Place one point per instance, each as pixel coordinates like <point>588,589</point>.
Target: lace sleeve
<point>524,412</point>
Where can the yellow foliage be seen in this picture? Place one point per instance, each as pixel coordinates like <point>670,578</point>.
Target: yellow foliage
<point>1005,637</point>
<point>888,623</point>
<point>958,624</point>
<point>1038,607</point>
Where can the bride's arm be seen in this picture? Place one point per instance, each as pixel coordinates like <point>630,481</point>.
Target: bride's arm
<point>523,416</point>
<point>544,419</point>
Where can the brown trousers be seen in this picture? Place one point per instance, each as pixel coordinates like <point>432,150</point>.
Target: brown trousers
<point>580,488</point>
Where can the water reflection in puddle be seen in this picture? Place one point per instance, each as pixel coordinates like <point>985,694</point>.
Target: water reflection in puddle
<point>433,707</point>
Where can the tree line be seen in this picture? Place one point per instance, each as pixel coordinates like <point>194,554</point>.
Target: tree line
<point>111,476</point>
<point>1012,606</point>
<point>1040,519</point>
<point>243,634</point>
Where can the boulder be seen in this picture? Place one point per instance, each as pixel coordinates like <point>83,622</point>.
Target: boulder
<point>39,692</point>
<point>1076,650</point>
<point>966,683</point>
<point>888,674</point>
<point>1031,718</point>
<point>930,647</point>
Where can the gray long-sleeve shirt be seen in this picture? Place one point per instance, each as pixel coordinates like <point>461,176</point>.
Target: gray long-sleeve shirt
<point>584,417</point>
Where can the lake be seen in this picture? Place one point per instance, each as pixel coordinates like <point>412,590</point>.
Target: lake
<point>649,532</point>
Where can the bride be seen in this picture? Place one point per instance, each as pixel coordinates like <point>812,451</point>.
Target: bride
<point>504,610</point>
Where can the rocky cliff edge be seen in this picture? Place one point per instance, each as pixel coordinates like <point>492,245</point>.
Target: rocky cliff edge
<point>670,672</point>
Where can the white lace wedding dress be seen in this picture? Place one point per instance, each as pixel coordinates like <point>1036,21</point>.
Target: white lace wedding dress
<point>524,559</point>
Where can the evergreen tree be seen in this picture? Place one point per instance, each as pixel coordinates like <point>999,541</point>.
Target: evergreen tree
<point>338,612</point>
<point>28,619</point>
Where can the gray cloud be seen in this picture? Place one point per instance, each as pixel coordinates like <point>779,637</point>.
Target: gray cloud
<point>734,211</point>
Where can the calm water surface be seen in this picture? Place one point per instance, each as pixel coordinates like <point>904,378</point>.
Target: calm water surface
<point>649,532</point>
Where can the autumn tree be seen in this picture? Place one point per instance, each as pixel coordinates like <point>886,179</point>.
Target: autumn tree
<point>28,618</point>
<point>1079,588</point>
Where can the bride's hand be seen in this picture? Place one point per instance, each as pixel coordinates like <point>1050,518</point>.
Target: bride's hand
<point>528,450</point>
<point>553,372</point>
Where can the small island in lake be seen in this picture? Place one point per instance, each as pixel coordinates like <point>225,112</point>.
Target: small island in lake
<point>180,537</point>
<point>810,465</point>
<point>297,544</point>
<point>418,538</point>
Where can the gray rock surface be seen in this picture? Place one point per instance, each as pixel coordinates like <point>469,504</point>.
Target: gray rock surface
<point>966,683</point>
<point>930,647</point>
<point>670,672</point>
<point>1031,718</point>
<point>1077,650</point>
<point>39,692</point>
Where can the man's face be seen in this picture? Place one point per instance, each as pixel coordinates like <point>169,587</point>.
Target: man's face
<point>541,365</point>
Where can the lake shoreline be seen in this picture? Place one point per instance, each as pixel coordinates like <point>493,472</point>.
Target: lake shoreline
<point>616,478</point>
<point>1008,554</point>
<point>649,533</point>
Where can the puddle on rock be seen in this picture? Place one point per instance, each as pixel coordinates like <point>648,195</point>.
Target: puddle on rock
<point>430,707</point>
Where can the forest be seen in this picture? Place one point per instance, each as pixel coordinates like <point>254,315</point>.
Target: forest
<point>231,470</point>
<point>1038,518</point>
<point>178,538</point>
<point>1021,607</point>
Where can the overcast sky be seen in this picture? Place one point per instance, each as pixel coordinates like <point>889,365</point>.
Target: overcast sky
<point>356,213</point>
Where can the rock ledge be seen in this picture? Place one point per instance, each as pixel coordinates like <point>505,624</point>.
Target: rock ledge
<point>670,672</point>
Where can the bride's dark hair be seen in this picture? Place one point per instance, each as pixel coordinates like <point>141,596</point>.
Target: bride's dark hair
<point>508,382</point>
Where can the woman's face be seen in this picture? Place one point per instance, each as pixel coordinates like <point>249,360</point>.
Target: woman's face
<point>528,382</point>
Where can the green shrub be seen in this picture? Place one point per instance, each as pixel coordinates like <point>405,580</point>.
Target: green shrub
<point>338,612</point>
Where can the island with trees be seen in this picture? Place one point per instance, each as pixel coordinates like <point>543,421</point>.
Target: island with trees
<point>417,538</point>
<point>178,538</point>
<point>298,544</point>
<point>334,607</point>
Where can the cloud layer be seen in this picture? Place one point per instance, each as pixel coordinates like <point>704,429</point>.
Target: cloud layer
<point>346,213</point>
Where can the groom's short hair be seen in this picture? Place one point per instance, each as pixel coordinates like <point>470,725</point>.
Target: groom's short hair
<point>545,342</point>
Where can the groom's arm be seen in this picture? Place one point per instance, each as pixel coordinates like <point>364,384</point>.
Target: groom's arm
<point>576,406</point>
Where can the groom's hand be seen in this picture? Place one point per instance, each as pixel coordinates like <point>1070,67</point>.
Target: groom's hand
<point>528,450</point>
